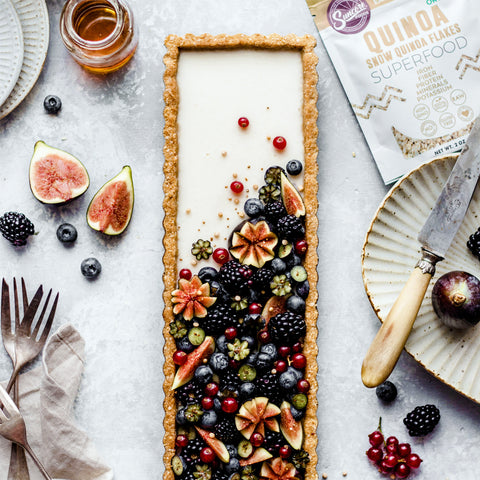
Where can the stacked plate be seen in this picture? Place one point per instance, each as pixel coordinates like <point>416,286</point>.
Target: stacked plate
<point>24,33</point>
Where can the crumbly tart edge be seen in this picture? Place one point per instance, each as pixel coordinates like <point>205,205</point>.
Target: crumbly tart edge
<point>305,45</point>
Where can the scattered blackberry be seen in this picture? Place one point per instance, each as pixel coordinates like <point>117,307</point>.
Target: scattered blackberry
<point>287,328</point>
<point>268,385</point>
<point>226,431</point>
<point>189,393</point>
<point>220,318</point>
<point>274,211</point>
<point>473,243</point>
<point>422,420</point>
<point>261,279</point>
<point>16,228</point>
<point>290,227</point>
<point>387,391</point>
<point>231,277</point>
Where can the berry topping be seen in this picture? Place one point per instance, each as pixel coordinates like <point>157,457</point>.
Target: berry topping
<point>229,405</point>
<point>221,255</point>
<point>279,143</point>
<point>236,187</point>
<point>243,122</point>
<point>422,420</point>
<point>207,455</point>
<point>301,247</point>
<point>16,228</point>
<point>299,361</point>
<point>179,357</point>
<point>185,273</point>
<point>52,104</point>
<point>181,441</point>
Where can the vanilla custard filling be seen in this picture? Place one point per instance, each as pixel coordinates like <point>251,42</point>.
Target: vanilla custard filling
<point>216,88</point>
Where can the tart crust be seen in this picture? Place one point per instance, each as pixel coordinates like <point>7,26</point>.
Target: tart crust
<point>305,44</point>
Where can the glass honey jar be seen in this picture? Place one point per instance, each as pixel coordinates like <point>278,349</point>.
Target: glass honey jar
<point>101,35</point>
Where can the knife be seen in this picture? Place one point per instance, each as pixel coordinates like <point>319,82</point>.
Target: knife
<point>435,238</point>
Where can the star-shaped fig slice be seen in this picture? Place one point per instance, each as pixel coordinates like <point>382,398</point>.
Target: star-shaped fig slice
<point>192,298</point>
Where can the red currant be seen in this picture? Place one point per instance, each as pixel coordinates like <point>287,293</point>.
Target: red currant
<point>230,333</point>
<point>221,255</point>
<point>301,247</point>
<point>392,441</point>
<point>299,360</point>
<point>383,467</point>
<point>413,460</point>
<point>375,454</point>
<point>256,439</point>
<point>181,441</point>
<point>402,470</point>
<point>279,143</point>
<point>303,385</point>
<point>207,403</point>
<point>255,308</point>
<point>404,449</point>
<point>264,336</point>
<point>390,460</point>
<point>236,187</point>
<point>297,347</point>
<point>180,357</point>
<point>185,273</point>
<point>376,438</point>
<point>285,451</point>
<point>243,122</point>
<point>391,448</point>
<point>229,405</point>
<point>207,455</point>
<point>284,351</point>
<point>211,389</point>
<point>281,366</point>
<point>235,364</point>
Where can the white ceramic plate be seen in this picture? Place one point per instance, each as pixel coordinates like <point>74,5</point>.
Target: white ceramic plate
<point>33,17</point>
<point>11,48</point>
<point>390,253</point>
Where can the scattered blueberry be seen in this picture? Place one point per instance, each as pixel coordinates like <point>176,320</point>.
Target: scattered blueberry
<point>294,167</point>
<point>296,413</point>
<point>66,233</point>
<point>203,374</point>
<point>185,345</point>
<point>219,362</point>
<point>209,419</point>
<point>270,349</point>
<point>278,265</point>
<point>303,289</point>
<point>91,267</point>
<point>247,390</point>
<point>52,104</point>
<point>288,379</point>
<point>264,361</point>
<point>296,304</point>
<point>387,391</point>
<point>253,207</point>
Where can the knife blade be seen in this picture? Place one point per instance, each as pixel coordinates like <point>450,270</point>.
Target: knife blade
<point>435,238</point>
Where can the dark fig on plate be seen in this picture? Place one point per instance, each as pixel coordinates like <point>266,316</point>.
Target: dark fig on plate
<point>456,299</point>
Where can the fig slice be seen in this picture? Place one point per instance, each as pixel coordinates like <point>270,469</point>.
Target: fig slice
<point>292,200</point>
<point>56,176</point>
<point>111,208</point>
<point>278,469</point>
<point>215,444</point>
<point>274,306</point>
<point>259,455</point>
<point>254,414</point>
<point>290,428</point>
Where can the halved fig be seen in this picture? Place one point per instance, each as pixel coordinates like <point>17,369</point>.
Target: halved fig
<point>291,429</point>
<point>292,200</point>
<point>56,176</point>
<point>259,455</point>
<point>215,444</point>
<point>194,359</point>
<point>111,208</point>
<point>278,469</point>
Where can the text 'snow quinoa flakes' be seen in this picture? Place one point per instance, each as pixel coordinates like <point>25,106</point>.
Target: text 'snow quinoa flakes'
<point>410,69</point>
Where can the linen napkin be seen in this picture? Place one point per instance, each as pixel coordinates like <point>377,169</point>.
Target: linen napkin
<point>47,394</point>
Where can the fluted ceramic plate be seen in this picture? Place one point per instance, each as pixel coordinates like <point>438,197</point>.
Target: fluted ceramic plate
<point>390,253</point>
<point>33,17</point>
<point>11,48</point>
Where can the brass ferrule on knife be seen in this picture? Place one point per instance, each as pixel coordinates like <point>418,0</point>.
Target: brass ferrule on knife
<point>428,261</point>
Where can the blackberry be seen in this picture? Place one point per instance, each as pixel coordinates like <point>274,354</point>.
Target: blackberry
<point>191,454</point>
<point>290,227</point>
<point>230,381</point>
<point>16,228</point>
<point>273,441</point>
<point>220,318</point>
<point>189,393</point>
<point>267,385</point>
<point>261,279</point>
<point>226,431</point>
<point>387,391</point>
<point>473,243</point>
<point>422,420</point>
<point>287,328</point>
<point>232,278</point>
<point>274,211</point>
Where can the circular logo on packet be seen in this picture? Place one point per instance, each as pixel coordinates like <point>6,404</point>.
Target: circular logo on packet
<point>348,16</point>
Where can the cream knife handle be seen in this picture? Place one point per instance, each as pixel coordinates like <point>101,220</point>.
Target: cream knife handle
<point>392,336</point>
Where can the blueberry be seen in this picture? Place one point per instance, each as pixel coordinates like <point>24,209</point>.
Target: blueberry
<point>288,379</point>
<point>91,267</point>
<point>247,390</point>
<point>303,289</point>
<point>264,361</point>
<point>221,344</point>
<point>296,413</point>
<point>387,391</point>
<point>52,104</point>
<point>296,304</point>
<point>252,320</point>
<point>180,417</point>
<point>232,466</point>
<point>217,290</point>
<point>219,362</point>
<point>270,349</point>
<point>207,273</point>
<point>278,265</point>
<point>232,450</point>
<point>217,405</point>
<point>253,207</point>
<point>203,374</point>
<point>294,167</point>
<point>250,341</point>
<point>209,419</point>
<point>66,233</point>
<point>185,345</point>
<point>294,260</point>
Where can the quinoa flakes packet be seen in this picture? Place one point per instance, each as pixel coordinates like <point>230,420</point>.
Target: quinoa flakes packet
<point>410,69</point>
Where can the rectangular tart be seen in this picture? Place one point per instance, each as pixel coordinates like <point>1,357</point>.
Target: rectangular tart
<point>240,278</point>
